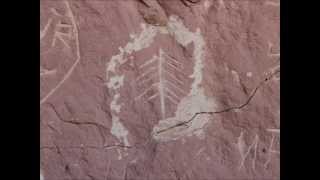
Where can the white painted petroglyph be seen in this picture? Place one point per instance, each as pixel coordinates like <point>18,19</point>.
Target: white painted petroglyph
<point>161,84</point>
<point>78,57</point>
<point>194,102</point>
<point>165,89</point>
<point>274,130</point>
<point>245,152</point>
<point>271,150</point>
<point>114,106</point>
<point>274,70</point>
<point>44,72</point>
<point>58,35</point>
<point>55,12</point>
<point>270,53</point>
<point>241,144</point>
<point>115,82</point>
<point>119,130</point>
<point>188,106</point>
<point>177,29</point>
<point>43,32</point>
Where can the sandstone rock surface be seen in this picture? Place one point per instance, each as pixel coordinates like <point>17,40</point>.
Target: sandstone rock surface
<point>160,89</point>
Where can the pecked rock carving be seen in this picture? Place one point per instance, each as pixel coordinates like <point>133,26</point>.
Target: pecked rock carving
<point>59,34</point>
<point>167,90</point>
<point>168,86</point>
<point>164,90</point>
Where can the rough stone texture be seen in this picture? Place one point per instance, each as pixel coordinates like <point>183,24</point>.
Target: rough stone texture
<point>160,89</point>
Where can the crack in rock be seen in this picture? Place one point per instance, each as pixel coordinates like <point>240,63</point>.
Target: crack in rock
<point>185,123</point>
<point>101,128</point>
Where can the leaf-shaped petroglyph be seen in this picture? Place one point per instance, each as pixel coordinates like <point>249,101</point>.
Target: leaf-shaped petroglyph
<point>163,77</point>
<point>161,70</point>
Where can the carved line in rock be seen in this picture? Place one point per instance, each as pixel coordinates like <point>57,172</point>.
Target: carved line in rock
<point>270,53</point>
<point>43,32</point>
<point>70,71</point>
<point>44,72</point>
<point>244,153</point>
<point>58,35</point>
<point>270,150</point>
<point>166,88</point>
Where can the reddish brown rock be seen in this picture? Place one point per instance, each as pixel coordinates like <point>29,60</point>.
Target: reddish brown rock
<point>160,89</point>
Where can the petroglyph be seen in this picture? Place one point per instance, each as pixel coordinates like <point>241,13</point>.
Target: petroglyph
<point>192,102</point>
<point>273,70</point>
<point>168,87</point>
<point>77,49</point>
<point>271,151</point>
<point>43,32</point>
<point>195,101</point>
<point>60,35</point>
<point>119,131</point>
<point>245,152</point>
<point>274,130</point>
<point>55,12</point>
<point>115,78</point>
<point>270,51</point>
<point>44,72</point>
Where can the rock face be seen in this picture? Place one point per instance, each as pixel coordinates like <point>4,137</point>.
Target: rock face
<point>160,89</point>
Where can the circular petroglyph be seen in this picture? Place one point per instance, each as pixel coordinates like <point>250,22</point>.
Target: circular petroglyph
<point>166,88</point>
<point>59,46</point>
